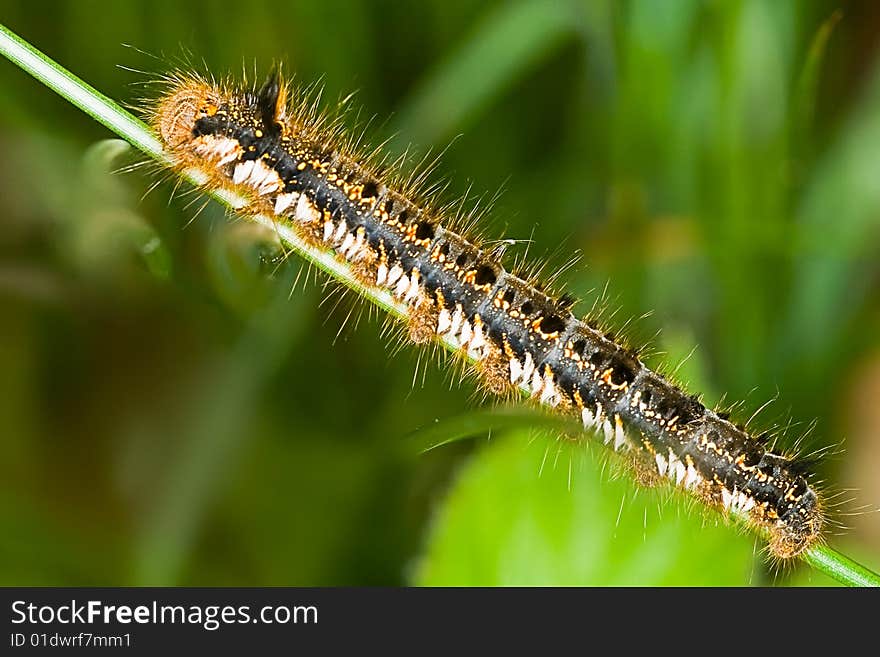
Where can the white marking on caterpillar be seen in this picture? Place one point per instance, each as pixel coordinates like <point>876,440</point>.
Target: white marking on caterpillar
<point>358,250</point>
<point>726,498</point>
<point>516,370</point>
<point>444,320</point>
<point>414,289</point>
<point>619,433</point>
<point>537,382</point>
<point>284,201</point>
<point>528,367</point>
<point>466,332</point>
<point>457,318</point>
<point>550,395</point>
<point>478,342</point>
<point>264,179</point>
<point>347,243</point>
<point>229,156</point>
<point>393,275</point>
<point>680,472</point>
<point>692,477</point>
<point>242,171</point>
<point>661,463</point>
<point>402,285</point>
<point>673,465</point>
<point>306,211</point>
<point>341,230</point>
<point>588,418</point>
<point>222,149</point>
<point>607,430</point>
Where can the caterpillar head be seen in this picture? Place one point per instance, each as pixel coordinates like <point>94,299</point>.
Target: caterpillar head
<point>800,526</point>
<point>178,111</point>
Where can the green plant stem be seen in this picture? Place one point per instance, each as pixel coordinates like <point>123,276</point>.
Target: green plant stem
<point>840,567</point>
<point>68,86</point>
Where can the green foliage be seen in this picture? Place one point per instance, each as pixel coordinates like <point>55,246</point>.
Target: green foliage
<point>170,417</point>
<point>530,511</point>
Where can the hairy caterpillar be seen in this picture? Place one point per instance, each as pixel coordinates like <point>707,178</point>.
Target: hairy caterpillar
<point>282,156</point>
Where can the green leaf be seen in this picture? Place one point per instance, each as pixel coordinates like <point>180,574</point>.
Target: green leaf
<point>807,90</point>
<point>496,419</point>
<point>505,45</point>
<point>545,513</point>
<point>107,227</point>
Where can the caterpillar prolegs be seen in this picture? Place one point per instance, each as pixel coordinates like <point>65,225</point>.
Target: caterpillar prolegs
<point>282,156</point>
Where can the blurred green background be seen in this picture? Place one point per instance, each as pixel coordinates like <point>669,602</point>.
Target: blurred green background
<point>171,413</point>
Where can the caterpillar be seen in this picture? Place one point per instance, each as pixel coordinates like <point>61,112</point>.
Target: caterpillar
<point>271,147</point>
